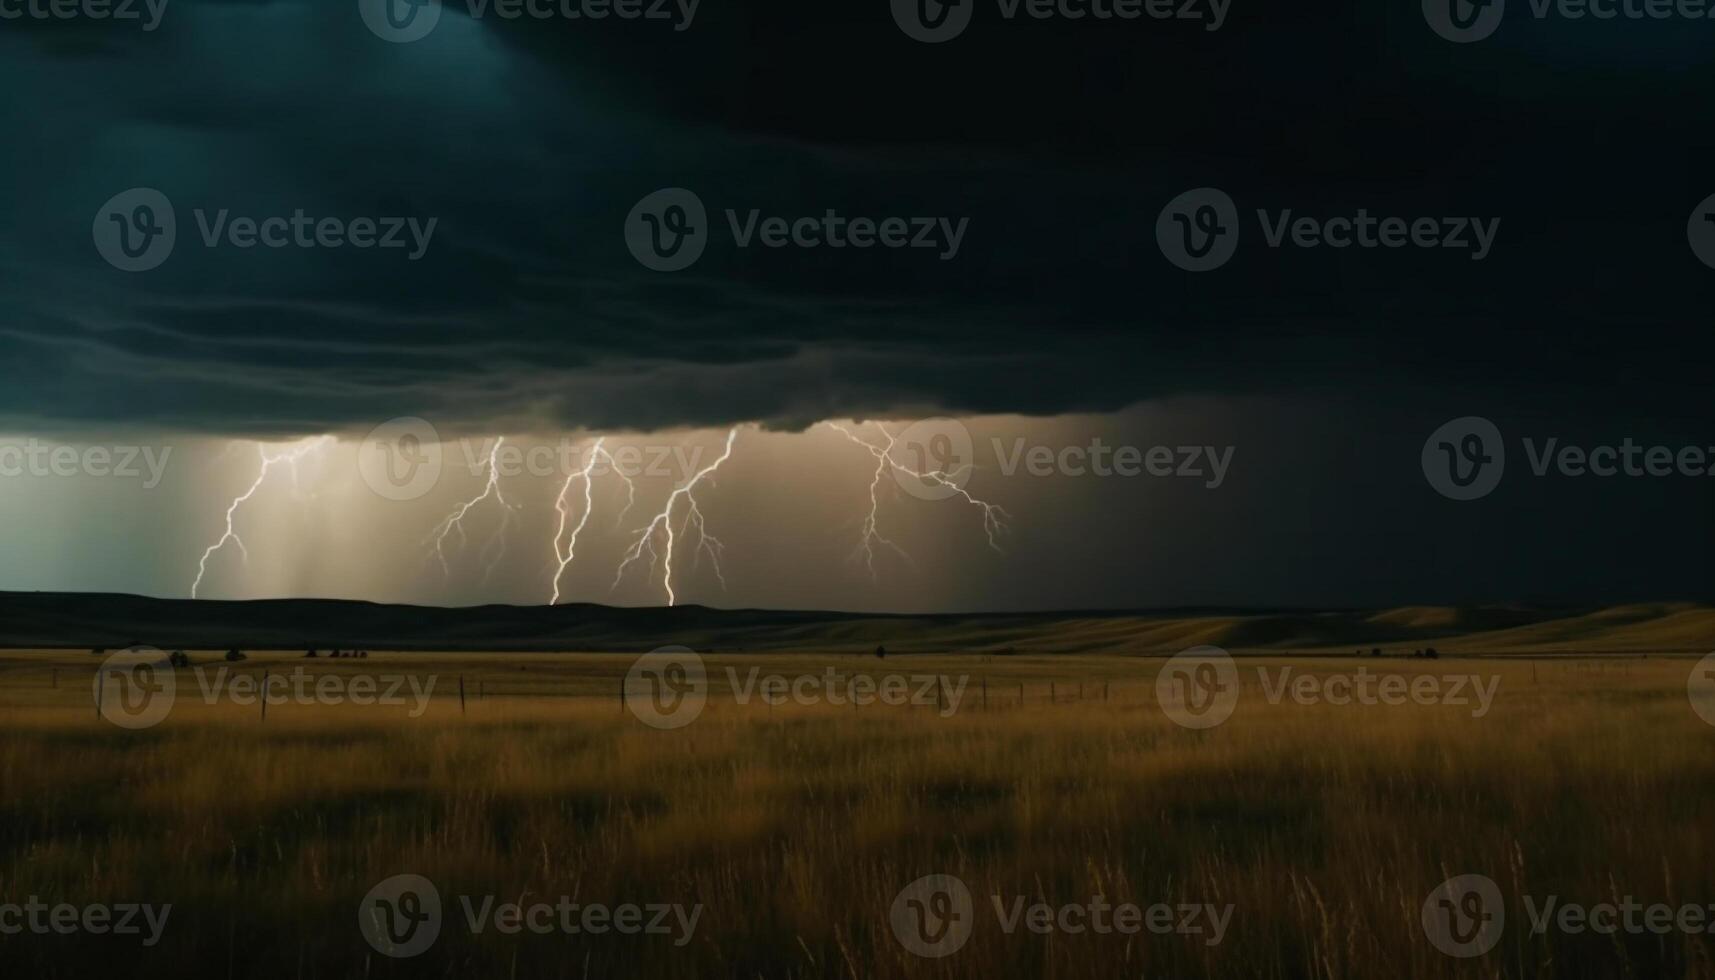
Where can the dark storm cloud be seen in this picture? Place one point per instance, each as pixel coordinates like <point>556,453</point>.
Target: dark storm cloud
<point>528,142</point>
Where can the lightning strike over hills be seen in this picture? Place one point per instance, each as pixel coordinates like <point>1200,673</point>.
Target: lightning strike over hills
<point>662,524</point>
<point>564,559</point>
<point>290,457</point>
<point>871,535</point>
<point>995,518</point>
<point>455,520</point>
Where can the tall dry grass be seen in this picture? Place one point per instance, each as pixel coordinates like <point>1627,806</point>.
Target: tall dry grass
<point>1323,826</point>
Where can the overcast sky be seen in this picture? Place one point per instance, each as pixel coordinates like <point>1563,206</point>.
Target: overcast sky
<point>1559,162</point>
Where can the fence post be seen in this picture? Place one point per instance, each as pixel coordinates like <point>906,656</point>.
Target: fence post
<point>264,694</point>
<point>461,694</point>
<point>100,691</point>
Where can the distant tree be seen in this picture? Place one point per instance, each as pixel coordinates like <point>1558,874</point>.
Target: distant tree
<point>881,653</point>
<point>234,656</point>
<point>1432,654</point>
<point>1375,651</point>
<point>98,652</point>
<point>178,659</point>
<point>310,655</point>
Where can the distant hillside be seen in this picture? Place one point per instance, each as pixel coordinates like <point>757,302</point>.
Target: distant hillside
<point>38,620</point>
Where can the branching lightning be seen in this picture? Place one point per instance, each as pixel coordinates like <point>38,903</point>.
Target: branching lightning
<point>288,456</point>
<point>679,524</point>
<point>564,558</point>
<point>662,526</point>
<point>996,521</point>
<point>495,547</point>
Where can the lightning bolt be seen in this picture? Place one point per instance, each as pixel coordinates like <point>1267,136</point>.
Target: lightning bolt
<point>996,521</point>
<point>597,452</point>
<point>290,457</point>
<point>455,520</point>
<point>662,525</point>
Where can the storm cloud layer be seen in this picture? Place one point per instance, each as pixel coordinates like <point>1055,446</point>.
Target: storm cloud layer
<point>1055,143</point>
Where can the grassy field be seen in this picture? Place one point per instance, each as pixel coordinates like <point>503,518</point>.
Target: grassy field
<point>1320,828</point>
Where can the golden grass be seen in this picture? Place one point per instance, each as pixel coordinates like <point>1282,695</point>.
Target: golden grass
<point>1324,826</point>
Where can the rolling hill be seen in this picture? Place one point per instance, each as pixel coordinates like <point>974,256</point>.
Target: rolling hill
<point>39,620</point>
